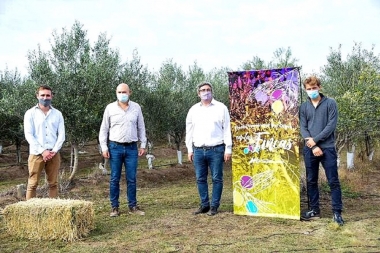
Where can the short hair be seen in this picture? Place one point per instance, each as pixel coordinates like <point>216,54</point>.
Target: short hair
<point>203,84</point>
<point>44,87</point>
<point>312,80</point>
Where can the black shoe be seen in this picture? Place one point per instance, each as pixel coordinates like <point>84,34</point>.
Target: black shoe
<point>338,219</point>
<point>310,215</point>
<point>213,211</point>
<point>202,209</point>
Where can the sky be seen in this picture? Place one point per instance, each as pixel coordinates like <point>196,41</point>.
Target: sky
<point>212,33</point>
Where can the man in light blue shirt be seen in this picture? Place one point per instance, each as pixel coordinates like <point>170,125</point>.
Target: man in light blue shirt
<point>45,132</point>
<point>121,129</point>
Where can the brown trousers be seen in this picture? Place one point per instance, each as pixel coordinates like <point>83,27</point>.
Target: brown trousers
<point>35,165</point>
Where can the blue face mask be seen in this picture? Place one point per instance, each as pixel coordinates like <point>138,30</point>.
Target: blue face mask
<point>122,97</point>
<point>313,94</point>
<point>44,102</point>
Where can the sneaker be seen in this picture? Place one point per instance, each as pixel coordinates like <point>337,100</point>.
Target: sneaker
<point>202,209</point>
<point>115,212</point>
<point>136,210</point>
<point>213,211</point>
<point>310,215</point>
<point>338,219</point>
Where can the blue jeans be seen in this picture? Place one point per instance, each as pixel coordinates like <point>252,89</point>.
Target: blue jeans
<point>329,163</point>
<point>212,158</point>
<point>128,155</point>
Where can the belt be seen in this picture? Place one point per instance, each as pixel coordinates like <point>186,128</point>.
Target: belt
<point>124,143</point>
<point>208,147</point>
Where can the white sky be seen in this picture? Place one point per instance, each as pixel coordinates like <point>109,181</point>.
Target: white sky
<point>222,33</point>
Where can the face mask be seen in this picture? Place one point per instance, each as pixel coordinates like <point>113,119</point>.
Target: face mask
<point>44,102</point>
<point>206,95</point>
<point>122,97</point>
<point>313,94</point>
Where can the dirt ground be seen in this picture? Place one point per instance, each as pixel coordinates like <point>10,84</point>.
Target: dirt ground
<point>89,159</point>
<point>367,184</point>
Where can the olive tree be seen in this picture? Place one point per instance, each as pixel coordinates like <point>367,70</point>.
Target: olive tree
<point>83,77</point>
<point>16,96</point>
<point>282,58</point>
<point>355,84</point>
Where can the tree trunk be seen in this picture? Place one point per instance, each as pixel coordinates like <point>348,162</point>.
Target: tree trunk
<point>178,139</point>
<point>170,140</point>
<point>75,150</point>
<point>18,151</point>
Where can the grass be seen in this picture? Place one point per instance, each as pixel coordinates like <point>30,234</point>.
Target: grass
<point>169,225</point>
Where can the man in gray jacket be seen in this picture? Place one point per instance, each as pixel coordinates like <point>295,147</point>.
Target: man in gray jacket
<point>318,120</point>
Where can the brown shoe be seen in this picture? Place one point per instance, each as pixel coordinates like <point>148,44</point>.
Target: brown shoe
<point>115,212</point>
<point>136,210</point>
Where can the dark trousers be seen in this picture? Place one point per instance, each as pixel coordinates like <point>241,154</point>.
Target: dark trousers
<point>329,163</point>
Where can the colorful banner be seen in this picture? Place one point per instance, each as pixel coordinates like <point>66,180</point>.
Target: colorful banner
<point>265,130</point>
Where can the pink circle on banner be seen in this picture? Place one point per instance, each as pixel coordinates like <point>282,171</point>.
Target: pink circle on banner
<point>246,182</point>
<point>277,94</point>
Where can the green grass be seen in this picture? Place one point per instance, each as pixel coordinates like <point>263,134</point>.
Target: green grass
<point>169,225</point>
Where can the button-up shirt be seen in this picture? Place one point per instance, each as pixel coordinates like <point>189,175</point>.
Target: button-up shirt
<point>208,126</point>
<point>121,125</point>
<point>44,131</point>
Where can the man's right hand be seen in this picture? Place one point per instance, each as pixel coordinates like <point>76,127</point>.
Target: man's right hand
<point>317,151</point>
<point>190,156</point>
<point>106,154</point>
<point>47,155</point>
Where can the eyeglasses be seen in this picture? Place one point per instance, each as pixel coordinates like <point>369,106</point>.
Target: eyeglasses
<point>203,90</point>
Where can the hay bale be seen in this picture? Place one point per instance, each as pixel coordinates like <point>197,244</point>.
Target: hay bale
<point>49,219</point>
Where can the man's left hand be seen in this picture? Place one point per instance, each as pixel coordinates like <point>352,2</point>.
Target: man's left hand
<point>310,142</point>
<point>227,157</point>
<point>142,151</point>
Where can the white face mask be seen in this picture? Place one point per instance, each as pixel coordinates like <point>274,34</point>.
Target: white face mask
<point>122,97</point>
<point>206,95</point>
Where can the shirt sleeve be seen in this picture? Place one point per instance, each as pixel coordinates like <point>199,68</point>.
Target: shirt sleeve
<point>189,132</point>
<point>227,137</point>
<point>141,133</point>
<point>104,130</point>
<point>61,133</point>
<point>331,123</point>
<point>29,131</point>
<point>303,122</point>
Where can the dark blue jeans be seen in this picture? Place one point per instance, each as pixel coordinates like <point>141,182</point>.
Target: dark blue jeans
<point>212,158</point>
<point>119,155</point>
<point>329,163</point>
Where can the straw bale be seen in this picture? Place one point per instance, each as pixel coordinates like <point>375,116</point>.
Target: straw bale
<point>50,219</point>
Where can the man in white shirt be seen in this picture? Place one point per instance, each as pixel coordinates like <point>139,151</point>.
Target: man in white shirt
<point>45,132</point>
<point>209,144</point>
<point>122,127</point>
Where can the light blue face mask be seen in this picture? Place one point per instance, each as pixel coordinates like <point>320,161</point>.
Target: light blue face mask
<point>122,97</point>
<point>313,94</point>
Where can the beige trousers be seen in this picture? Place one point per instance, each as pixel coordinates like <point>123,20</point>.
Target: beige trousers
<point>35,165</point>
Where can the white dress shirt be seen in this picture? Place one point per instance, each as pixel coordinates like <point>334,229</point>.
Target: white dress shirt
<point>121,125</point>
<point>44,131</point>
<point>208,126</point>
